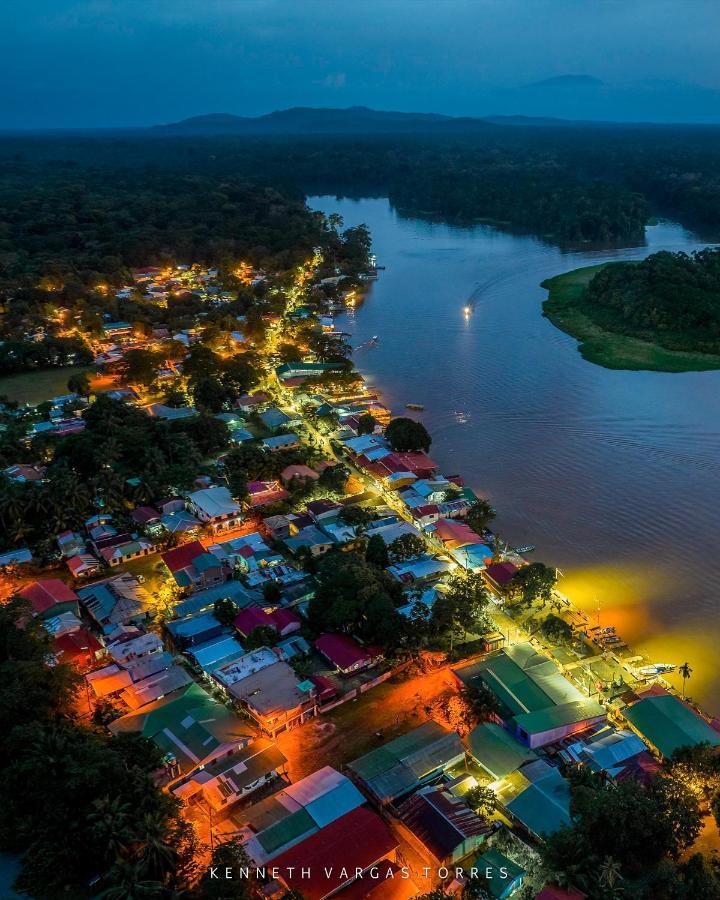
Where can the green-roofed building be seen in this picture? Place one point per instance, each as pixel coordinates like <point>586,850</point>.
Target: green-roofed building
<point>415,758</point>
<point>537,797</point>
<point>190,726</point>
<point>537,703</point>
<point>498,876</point>
<point>667,723</point>
<point>496,751</point>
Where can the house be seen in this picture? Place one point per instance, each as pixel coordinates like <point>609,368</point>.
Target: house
<point>189,726</point>
<point>281,442</point>
<point>70,543</point>
<point>299,471</point>
<point>83,565</point>
<point>536,797</point>
<point>262,493</point>
<point>274,418</point>
<point>233,777</point>
<point>129,647</point>
<point>215,507</point>
<point>298,811</point>
<point>204,600</point>
<point>346,848</point>
<point>118,548</point>
<point>155,687</point>
<point>496,751</point>
<point>499,575</point>
<point>537,703</point>
<point>267,688</point>
<point>180,522</point>
<point>282,621</point>
<point>310,538</point>
<point>399,767</point>
<point>215,653</point>
<point>78,647</point>
<point>145,515</point>
<point>666,722</point>
<point>194,630</point>
<point>346,654</point>
<point>614,753</point>
<point>499,876</point>
<point>50,597</point>
<point>247,402</point>
<point>119,600</point>
<point>421,569</point>
<point>278,526</point>
<point>193,567</point>
<point>23,473</point>
<point>170,413</point>
<point>322,509</point>
<point>18,557</point>
<point>109,681</point>
<point>304,371</point>
<point>444,824</point>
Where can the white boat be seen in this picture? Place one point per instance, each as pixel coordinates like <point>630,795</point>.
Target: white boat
<point>655,669</point>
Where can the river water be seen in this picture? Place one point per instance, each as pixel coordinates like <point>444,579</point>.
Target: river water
<point>613,475</point>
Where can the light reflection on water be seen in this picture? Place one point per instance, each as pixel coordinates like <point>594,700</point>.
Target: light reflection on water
<point>613,475</point>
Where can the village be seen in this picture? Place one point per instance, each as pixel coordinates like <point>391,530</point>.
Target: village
<point>341,663</point>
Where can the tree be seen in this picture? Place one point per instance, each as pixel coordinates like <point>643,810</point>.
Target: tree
<point>225,610</point>
<point>479,516</point>
<point>357,517</point>
<point>79,383</point>
<point>408,435</point>
<point>685,672</point>
<point>405,547</point>
<point>482,800</point>
<point>140,366</point>
<point>334,478</point>
<point>366,424</point>
<point>214,886</point>
<point>483,702</point>
<point>460,607</point>
<point>532,583</point>
<point>262,636</point>
<point>376,552</point>
<point>556,629</point>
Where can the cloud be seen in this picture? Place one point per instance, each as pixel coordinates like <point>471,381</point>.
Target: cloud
<point>335,80</point>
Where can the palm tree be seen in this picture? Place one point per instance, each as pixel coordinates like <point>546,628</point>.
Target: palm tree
<point>110,820</point>
<point>610,878</point>
<point>127,883</point>
<point>685,672</point>
<point>159,856</point>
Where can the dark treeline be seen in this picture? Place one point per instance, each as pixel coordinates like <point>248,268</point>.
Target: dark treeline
<point>567,184</point>
<point>672,298</point>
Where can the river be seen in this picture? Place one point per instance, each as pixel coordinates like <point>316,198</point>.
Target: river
<point>613,475</point>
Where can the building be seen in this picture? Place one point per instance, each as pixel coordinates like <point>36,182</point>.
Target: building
<point>50,597</point>
<point>537,703</point>
<point>499,876</point>
<point>444,824</point>
<point>194,630</point>
<point>399,767</point>
<point>262,493</point>
<point>119,600</point>
<point>666,723</point>
<point>83,565</point>
<point>536,797</point>
<point>298,811</point>
<point>298,471</point>
<point>193,567</point>
<point>189,726</point>
<point>282,621</point>
<point>346,654</point>
<point>337,854</point>
<point>496,751</point>
<point>215,507</point>
<point>233,776</point>
<point>281,442</point>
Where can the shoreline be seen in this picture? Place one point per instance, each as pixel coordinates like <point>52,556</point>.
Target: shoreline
<point>611,350</point>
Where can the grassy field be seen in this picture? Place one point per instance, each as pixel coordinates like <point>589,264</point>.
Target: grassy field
<point>36,387</point>
<point>564,308</point>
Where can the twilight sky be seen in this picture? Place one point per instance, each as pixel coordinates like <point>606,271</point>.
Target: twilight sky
<point>105,63</point>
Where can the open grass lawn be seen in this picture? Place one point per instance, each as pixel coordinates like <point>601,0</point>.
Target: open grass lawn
<point>40,385</point>
<point>564,308</point>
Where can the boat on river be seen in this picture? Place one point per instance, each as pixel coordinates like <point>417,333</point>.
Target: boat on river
<point>417,406</point>
<point>655,669</point>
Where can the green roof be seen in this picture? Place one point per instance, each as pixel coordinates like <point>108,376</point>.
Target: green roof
<point>497,751</point>
<point>667,723</point>
<point>522,679</point>
<point>491,862</point>
<point>542,720</point>
<point>293,827</point>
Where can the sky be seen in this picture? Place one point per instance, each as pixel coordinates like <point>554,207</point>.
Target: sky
<point>117,63</point>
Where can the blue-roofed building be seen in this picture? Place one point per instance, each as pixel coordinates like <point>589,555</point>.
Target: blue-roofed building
<point>194,630</point>
<point>274,418</point>
<point>282,442</point>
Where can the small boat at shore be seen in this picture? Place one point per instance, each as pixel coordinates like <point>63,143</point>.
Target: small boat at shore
<point>528,549</point>
<point>417,406</point>
<point>655,669</point>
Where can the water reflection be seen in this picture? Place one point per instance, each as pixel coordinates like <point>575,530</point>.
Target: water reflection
<point>612,475</point>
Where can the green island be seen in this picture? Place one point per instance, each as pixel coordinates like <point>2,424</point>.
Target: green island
<point>659,314</point>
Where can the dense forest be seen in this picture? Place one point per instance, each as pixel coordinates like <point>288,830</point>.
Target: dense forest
<point>672,299</point>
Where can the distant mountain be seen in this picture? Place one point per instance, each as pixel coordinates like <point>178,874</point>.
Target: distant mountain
<point>306,120</point>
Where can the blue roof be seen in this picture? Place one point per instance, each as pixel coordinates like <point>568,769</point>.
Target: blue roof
<point>335,803</point>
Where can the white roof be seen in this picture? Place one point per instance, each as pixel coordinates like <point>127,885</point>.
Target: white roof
<point>247,665</point>
<point>214,501</point>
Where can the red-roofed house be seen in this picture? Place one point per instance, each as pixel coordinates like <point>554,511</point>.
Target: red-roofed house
<point>283,621</point>
<point>337,854</point>
<point>83,565</point>
<point>193,567</point>
<point>455,534</point>
<point>298,471</point>
<point>499,575</point>
<point>345,653</point>
<point>50,597</point>
<point>261,493</point>
<point>79,647</point>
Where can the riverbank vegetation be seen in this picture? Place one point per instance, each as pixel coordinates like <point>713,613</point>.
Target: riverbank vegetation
<point>603,306</point>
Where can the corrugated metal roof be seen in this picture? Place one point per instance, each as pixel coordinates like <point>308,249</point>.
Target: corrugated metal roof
<point>335,803</point>
<point>497,751</point>
<point>287,832</point>
<point>668,723</point>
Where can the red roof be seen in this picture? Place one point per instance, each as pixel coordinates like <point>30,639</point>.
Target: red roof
<point>181,557</point>
<point>285,620</point>
<point>456,533</point>
<point>251,618</point>
<point>342,650</point>
<point>76,643</point>
<point>43,595</point>
<point>325,688</point>
<point>553,892</point>
<point>354,841</point>
<point>501,573</point>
